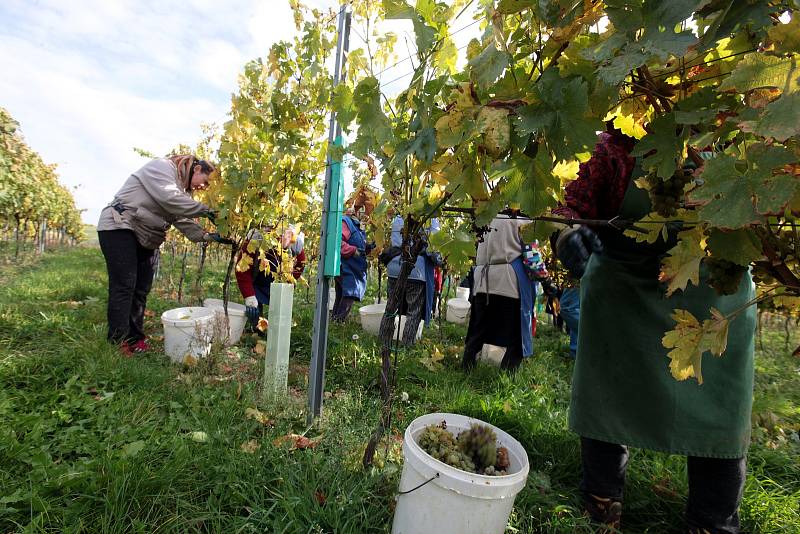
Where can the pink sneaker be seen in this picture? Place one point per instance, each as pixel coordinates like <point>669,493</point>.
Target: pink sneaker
<point>131,349</point>
<point>140,346</point>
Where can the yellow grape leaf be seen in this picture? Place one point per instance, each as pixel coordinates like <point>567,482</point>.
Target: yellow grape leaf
<point>261,347</point>
<point>682,265</point>
<point>251,446</point>
<point>654,231</point>
<point>433,362</point>
<point>253,245</point>
<point>689,340</point>
<point>257,415</point>
<point>263,324</point>
<point>244,263</point>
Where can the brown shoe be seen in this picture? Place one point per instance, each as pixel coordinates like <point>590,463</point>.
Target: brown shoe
<point>606,511</point>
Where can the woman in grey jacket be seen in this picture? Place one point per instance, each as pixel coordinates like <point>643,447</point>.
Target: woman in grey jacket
<point>135,224</point>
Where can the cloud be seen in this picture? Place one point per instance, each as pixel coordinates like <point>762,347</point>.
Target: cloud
<point>90,80</point>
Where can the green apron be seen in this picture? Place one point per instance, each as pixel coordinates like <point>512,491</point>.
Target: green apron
<point>622,389</point>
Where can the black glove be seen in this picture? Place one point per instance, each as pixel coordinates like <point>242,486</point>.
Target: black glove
<point>369,248</point>
<point>252,314</point>
<point>574,246</point>
<point>211,215</point>
<point>215,237</point>
<point>551,290</point>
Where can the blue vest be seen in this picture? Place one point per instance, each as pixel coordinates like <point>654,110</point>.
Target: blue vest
<point>527,294</point>
<point>354,269</point>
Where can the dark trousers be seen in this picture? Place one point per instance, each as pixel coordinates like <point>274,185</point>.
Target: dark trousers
<point>411,304</point>
<point>130,276</point>
<point>494,320</point>
<point>715,484</point>
<point>341,305</point>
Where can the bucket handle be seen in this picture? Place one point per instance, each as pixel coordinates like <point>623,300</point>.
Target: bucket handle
<point>434,477</point>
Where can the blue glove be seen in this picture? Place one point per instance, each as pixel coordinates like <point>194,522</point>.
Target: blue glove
<point>574,246</point>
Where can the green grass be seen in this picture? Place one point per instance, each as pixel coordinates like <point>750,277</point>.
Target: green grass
<point>93,442</point>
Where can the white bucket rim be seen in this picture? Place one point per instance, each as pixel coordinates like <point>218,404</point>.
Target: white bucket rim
<point>234,308</point>
<point>463,482</point>
<point>373,309</point>
<point>459,303</point>
<point>197,314</point>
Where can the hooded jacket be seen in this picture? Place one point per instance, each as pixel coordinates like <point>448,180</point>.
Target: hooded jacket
<point>151,200</point>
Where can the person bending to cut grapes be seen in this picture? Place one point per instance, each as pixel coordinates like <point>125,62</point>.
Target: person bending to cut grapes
<point>622,391</point>
<point>254,282</point>
<point>132,228</point>
<point>351,284</point>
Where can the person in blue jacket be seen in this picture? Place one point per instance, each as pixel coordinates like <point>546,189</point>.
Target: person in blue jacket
<point>351,284</point>
<point>419,296</point>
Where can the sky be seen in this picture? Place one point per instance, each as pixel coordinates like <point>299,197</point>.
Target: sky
<point>89,80</point>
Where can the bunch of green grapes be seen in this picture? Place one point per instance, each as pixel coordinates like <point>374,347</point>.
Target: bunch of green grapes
<point>480,444</point>
<point>666,195</point>
<point>723,275</point>
<point>442,445</point>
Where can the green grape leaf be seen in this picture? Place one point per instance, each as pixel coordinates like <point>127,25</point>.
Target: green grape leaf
<point>625,15</point>
<point>424,145</point>
<point>343,105</point>
<point>690,339</point>
<point>733,198</point>
<point>682,264</point>
<point>563,115</point>
<point>667,145</point>
<point>454,128</point>
<point>620,66</point>
<point>398,9</point>
<point>758,70</point>
<point>509,7</point>
<point>781,118</point>
<point>489,65</point>
<point>739,246</point>
<point>456,247</point>
<point>786,37</point>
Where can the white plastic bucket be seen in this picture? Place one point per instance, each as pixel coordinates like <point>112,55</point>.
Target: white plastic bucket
<point>492,354</point>
<point>402,327</point>
<point>458,311</point>
<point>455,501</point>
<point>372,314</point>
<point>188,332</point>
<point>462,293</point>
<point>237,319</point>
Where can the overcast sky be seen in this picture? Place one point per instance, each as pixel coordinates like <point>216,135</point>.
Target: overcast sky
<point>88,80</point>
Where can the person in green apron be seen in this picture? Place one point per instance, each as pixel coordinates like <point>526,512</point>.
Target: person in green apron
<point>622,391</point>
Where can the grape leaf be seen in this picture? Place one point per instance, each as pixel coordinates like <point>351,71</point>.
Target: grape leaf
<point>454,128</point>
<point>343,105</point>
<point>614,71</point>
<point>781,118</point>
<point>758,70</point>
<point>733,199</point>
<point>489,65</point>
<point>739,246</point>
<point>682,264</point>
<point>509,7</point>
<point>786,37</point>
<point>690,339</point>
<point>667,145</point>
<point>398,9</point>
<point>562,113</point>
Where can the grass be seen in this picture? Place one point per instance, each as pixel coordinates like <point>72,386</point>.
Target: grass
<point>92,442</point>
